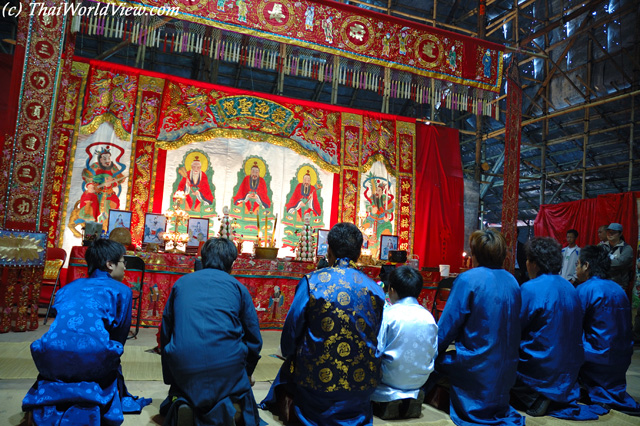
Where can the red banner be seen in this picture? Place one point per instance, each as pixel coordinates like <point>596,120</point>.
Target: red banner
<point>348,31</point>
<point>36,106</point>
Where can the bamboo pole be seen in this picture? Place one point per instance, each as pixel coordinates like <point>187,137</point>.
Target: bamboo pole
<point>601,166</point>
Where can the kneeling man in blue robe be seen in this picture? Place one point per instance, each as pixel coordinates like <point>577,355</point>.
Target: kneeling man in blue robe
<point>329,340</point>
<point>80,379</point>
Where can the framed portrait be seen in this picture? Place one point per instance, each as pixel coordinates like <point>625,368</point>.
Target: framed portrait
<point>387,242</point>
<point>154,227</point>
<point>198,230</point>
<point>323,244</point>
<point>118,219</point>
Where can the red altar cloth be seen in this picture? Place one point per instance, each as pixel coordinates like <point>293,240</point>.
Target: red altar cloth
<point>162,270</point>
<point>260,277</point>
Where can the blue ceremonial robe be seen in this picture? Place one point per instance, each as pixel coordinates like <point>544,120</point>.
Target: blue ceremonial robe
<point>608,344</point>
<point>551,350</point>
<point>210,346</point>
<point>80,379</point>
<point>482,316</point>
<point>330,338</point>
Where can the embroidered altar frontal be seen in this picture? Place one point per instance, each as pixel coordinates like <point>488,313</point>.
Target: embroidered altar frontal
<point>141,137</point>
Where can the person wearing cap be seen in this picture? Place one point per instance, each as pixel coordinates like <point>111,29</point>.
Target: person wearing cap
<point>621,255</point>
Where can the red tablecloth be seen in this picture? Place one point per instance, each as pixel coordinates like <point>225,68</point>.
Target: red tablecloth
<point>260,277</point>
<point>162,270</point>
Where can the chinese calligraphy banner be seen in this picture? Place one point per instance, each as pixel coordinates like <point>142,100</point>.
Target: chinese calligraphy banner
<point>347,31</point>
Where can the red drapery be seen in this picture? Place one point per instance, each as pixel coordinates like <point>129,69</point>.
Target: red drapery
<point>439,231</point>
<point>586,216</point>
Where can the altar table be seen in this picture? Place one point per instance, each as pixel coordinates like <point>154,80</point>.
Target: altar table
<point>261,277</point>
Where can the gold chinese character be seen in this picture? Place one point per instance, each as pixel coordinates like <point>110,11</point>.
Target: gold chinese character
<point>36,111</point>
<point>53,214</point>
<point>427,49</point>
<point>405,210</point>
<point>404,246</point>
<point>25,172</point>
<point>262,110</point>
<point>30,143</point>
<point>276,13</point>
<point>404,235</point>
<point>356,31</point>
<point>279,116</point>
<point>404,223</point>
<point>405,185</point>
<point>61,155</point>
<point>24,207</point>
<point>228,108</point>
<point>245,106</point>
<point>59,170</point>
<point>405,198</point>
<point>54,200</point>
<point>57,185</point>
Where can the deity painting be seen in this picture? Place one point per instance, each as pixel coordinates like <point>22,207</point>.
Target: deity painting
<point>304,199</point>
<point>102,184</point>
<point>198,230</point>
<point>118,219</point>
<point>380,207</point>
<point>252,198</point>
<point>194,179</point>
<point>154,227</point>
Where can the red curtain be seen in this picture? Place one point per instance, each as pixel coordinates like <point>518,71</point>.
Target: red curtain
<point>439,222</point>
<point>586,216</point>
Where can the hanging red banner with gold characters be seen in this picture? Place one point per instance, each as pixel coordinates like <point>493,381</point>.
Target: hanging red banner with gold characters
<point>348,31</point>
<point>406,216</point>
<point>36,106</point>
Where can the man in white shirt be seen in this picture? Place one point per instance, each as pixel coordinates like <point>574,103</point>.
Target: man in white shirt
<point>408,345</point>
<point>569,257</point>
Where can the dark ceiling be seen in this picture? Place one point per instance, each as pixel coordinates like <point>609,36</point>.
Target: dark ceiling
<point>579,64</point>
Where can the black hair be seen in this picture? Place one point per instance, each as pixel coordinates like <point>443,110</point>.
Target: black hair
<point>102,251</point>
<point>406,281</point>
<point>345,240</point>
<point>546,253</point>
<point>598,259</point>
<point>574,232</point>
<point>219,253</point>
